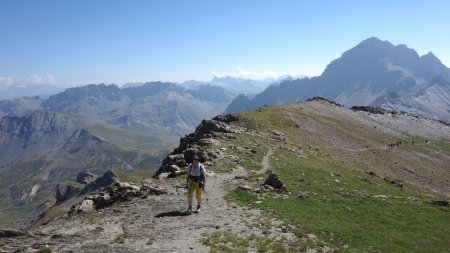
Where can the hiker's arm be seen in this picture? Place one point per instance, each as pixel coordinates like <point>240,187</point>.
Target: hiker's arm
<point>187,178</point>
<point>204,178</point>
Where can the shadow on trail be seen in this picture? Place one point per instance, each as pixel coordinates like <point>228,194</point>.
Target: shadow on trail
<point>171,214</point>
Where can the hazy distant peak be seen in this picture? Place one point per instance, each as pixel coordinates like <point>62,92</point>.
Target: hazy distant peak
<point>430,58</point>
<point>375,42</point>
<point>374,71</point>
<point>429,55</point>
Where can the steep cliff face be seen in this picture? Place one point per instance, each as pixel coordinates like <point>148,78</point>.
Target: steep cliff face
<point>39,131</point>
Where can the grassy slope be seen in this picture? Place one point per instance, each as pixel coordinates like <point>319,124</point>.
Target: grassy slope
<point>342,209</point>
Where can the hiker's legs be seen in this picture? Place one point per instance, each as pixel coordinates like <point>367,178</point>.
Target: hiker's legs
<point>199,195</point>
<point>191,189</point>
<point>190,202</point>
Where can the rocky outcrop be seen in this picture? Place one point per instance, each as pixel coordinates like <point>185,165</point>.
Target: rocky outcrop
<point>85,177</point>
<point>331,102</point>
<point>7,233</point>
<point>104,181</point>
<point>118,192</point>
<point>371,109</point>
<point>382,111</point>
<point>227,118</point>
<point>86,182</point>
<point>65,191</point>
<point>197,144</point>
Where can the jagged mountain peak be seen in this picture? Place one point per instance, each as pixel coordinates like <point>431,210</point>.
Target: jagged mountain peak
<point>368,73</point>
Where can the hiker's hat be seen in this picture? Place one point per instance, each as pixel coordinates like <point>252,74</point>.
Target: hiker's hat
<point>195,158</point>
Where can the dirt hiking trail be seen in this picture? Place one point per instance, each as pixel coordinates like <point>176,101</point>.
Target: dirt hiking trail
<point>154,224</point>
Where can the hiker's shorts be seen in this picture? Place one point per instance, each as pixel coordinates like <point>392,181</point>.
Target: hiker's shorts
<point>193,186</point>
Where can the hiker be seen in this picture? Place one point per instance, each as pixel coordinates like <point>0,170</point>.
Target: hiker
<point>195,181</point>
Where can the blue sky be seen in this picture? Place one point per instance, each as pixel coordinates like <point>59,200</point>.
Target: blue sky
<point>94,41</point>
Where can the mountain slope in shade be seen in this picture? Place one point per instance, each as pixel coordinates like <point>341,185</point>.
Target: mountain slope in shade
<point>23,136</point>
<point>238,104</point>
<point>45,148</point>
<point>371,70</point>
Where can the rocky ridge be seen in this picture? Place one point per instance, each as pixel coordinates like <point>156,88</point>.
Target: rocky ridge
<point>197,143</point>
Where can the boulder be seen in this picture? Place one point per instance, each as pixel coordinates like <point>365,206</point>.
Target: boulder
<point>171,164</point>
<point>397,183</point>
<point>246,187</point>
<point>173,168</point>
<point>191,152</point>
<point>440,202</point>
<point>175,171</point>
<point>303,195</point>
<point>274,181</point>
<point>208,126</point>
<point>277,133</point>
<point>227,118</point>
<point>383,197</point>
<point>86,205</point>
<point>176,157</point>
<point>162,175</point>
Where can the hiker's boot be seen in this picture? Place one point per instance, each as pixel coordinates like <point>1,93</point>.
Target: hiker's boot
<point>189,211</point>
<point>198,209</point>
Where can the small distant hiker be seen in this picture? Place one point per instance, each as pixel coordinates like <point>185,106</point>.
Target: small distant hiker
<point>195,181</point>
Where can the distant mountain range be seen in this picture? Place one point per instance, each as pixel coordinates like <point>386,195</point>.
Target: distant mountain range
<point>234,85</point>
<point>93,128</point>
<point>29,90</point>
<point>238,86</point>
<point>374,72</point>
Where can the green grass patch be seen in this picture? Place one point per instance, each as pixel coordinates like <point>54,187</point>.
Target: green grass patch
<point>343,211</point>
<point>133,176</point>
<point>46,250</point>
<point>225,241</point>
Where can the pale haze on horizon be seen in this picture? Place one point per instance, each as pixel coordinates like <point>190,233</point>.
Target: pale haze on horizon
<point>83,42</point>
